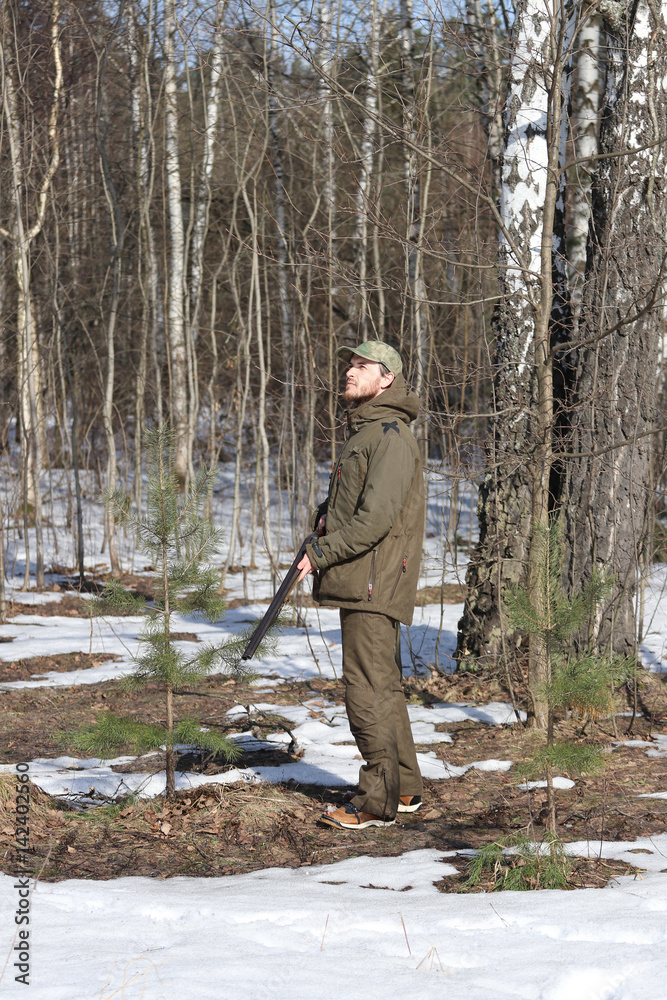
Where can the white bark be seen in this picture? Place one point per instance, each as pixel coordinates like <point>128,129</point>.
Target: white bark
<point>585,113</point>
<point>178,355</point>
<point>415,290</point>
<point>611,494</point>
<point>211,108</point>
<point>360,306</point>
<point>118,237</point>
<point>326,63</point>
<point>523,188</point>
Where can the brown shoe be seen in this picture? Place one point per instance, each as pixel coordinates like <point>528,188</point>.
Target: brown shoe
<point>409,803</point>
<point>347,817</point>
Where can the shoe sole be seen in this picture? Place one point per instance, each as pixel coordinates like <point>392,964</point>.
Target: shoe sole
<point>355,826</point>
<point>402,808</point>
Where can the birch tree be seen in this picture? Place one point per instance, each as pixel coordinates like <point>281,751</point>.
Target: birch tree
<point>178,353</point>
<point>585,111</point>
<point>413,237</point>
<point>608,499</point>
<point>515,495</point>
<point>359,308</point>
<point>115,267</point>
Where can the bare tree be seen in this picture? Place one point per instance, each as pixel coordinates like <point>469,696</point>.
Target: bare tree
<point>23,236</point>
<point>178,352</point>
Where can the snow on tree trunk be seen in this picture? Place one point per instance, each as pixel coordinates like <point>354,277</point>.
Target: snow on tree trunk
<point>608,489</point>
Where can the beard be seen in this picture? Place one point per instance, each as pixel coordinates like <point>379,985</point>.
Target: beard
<point>361,394</point>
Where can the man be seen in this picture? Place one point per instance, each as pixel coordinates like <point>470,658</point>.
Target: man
<point>367,564</point>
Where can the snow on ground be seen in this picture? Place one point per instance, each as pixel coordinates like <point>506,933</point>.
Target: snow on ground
<point>373,927</point>
<point>323,737</point>
<point>313,650</point>
<point>370,927</point>
<point>86,780</point>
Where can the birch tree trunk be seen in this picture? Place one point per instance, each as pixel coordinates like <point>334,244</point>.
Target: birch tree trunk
<point>139,48</point>
<point>585,110</point>
<point>359,303</point>
<point>515,494</point>
<point>608,488</point>
<point>415,290</point>
<point>504,507</point>
<point>288,434</point>
<point>118,237</point>
<point>326,66</point>
<point>178,354</point>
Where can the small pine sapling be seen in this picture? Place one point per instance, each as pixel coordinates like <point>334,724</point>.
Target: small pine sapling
<point>179,539</point>
<point>518,864</point>
<point>578,681</point>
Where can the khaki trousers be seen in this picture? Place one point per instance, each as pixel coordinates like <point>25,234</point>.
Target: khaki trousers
<point>377,713</point>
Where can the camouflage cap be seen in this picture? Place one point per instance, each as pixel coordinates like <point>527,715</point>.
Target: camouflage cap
<point>374,350</point>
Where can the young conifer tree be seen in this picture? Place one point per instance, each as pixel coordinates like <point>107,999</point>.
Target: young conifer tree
<point>582,681</point>
<point>180,539</point>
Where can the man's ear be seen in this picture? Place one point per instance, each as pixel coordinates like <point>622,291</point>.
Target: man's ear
<point>387,380</point>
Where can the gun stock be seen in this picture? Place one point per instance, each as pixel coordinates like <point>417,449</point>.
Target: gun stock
<point>276,604</point>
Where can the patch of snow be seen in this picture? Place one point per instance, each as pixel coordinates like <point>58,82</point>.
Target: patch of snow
<point>379,923</point>
<point>562,783</point>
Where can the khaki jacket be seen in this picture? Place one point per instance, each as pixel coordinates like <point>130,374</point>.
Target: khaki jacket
<point>368,560</point>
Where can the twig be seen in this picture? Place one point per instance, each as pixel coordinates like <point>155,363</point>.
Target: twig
<point>406,934</point>
<point>326,924</point>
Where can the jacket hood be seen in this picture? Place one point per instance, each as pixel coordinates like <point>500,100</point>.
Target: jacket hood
<point>397,400</point>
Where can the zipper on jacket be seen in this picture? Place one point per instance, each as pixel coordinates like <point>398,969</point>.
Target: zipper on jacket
<point>372,576</point>
<point>337,487</point>
<point>401,569</point>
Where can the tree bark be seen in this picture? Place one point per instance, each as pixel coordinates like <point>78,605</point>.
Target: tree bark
<point>29,363</point>
<point>118,236</point>
<point>608,496</point>
<point>515,496</point>
<point>178,354</point>
<point>504,508</point>
<point>585,113</point>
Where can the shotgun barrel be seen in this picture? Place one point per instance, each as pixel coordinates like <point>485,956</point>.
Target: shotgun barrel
<point>276,604</point>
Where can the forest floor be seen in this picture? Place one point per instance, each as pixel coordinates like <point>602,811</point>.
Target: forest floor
<point>218,830</point>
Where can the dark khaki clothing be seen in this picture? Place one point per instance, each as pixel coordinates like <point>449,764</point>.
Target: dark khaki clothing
<point>377,713</point>
<point>368,560</point>
<point>367,564</point>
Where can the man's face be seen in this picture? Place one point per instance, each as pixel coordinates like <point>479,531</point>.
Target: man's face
<point>364,380</point>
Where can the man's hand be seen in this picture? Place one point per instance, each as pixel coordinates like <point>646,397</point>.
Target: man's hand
<point>305,567</point>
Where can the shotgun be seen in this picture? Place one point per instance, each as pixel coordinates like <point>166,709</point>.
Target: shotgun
<point>281,596</point>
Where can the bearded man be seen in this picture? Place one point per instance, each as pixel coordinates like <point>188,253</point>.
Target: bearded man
<point>367,564</point>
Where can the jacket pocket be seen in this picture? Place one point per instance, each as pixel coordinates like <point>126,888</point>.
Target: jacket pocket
<point>371,575</point>
<point>336,487</point>
<point>401,569</point>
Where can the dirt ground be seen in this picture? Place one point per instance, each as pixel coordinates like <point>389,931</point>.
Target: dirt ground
<point>219,830</point>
